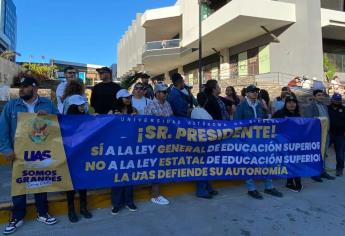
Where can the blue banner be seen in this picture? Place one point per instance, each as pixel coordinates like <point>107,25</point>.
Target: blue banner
<point>104,151</point>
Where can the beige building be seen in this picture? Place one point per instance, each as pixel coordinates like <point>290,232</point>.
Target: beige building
<point>241,39</point>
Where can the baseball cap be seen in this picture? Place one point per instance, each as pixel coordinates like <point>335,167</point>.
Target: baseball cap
<point>28,81</point>
<point>252,88</point>
<point>104,69</point>
<point>160,88</point>
<point>76,100</point>
<point>291,98</point>
<point>337,97</point>
<point>123,93</point>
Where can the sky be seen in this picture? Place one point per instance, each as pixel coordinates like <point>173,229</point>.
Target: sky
<point>84,31</point>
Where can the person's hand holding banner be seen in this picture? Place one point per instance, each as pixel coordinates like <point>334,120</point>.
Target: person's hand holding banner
<point>10,156</point>
<point>42,113</point>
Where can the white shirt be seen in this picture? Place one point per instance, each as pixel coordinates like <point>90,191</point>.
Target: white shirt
<point>140,104</point>
<point>201,114</point>
<point>31,107</point>
<point>59,94</point>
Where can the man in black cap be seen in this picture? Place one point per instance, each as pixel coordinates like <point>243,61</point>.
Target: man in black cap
<point>251,108</point>
<point>28,101</point>
<point>103,97</point>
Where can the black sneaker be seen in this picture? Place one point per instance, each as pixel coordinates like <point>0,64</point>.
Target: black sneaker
<point>317,179</point>
<point>85,213</point>
<point>206,196</point>
<point>47,219</point>
<point>292,187</point>
<point>339,173</point>
<point>325,175</point>
<point>13,226</point>
<point>115,211</point>
<point>72,216</point>
<point>274,192</point>
<point>132,207</point>
<point>255,194</point>
<point>299,188</point>
<point>214,192</point>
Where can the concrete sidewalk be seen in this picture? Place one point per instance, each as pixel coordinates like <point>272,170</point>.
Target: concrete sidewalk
<point>318,210</point>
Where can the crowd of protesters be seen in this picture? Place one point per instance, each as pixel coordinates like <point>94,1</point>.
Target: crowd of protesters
<point>177,100</point>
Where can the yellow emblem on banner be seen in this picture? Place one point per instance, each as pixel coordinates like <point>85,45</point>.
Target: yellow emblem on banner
<point>40,164</point>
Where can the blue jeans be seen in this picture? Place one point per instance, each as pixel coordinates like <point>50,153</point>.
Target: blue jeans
<point>339,144</point>
<point>121,196</point>
<point>203,188</point>
<point>251,185</point>
<point>19,205</point>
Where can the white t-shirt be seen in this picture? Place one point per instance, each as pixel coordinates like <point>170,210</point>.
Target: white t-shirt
<point>140,104</point>
<point>31,107</point>
<point>59,94</point>
<point>201,114</point>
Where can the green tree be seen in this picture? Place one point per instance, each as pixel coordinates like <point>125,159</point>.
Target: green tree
<point>330,68</point>
<point>42,71</point>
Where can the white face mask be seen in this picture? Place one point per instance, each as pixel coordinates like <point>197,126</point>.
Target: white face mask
<point>185,91</point>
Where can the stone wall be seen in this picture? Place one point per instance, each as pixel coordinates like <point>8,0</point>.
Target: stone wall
<point>8,70</point>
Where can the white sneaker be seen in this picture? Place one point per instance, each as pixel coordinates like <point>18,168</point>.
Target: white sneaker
<point>160,200</point>
<point>47,219</point>
<point>12,226</point>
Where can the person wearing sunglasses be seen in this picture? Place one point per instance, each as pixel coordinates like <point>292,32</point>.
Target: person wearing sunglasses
<point>70,74</point>
<point>159,106</point>
<point>139,101</point>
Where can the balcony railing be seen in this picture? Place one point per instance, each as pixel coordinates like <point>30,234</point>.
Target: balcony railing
<point>164,44</point>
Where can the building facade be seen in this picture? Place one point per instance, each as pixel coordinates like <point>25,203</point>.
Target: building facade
<point>277,39</point>
<point>8,25</point>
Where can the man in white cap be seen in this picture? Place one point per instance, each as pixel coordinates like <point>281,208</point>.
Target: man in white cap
<point>159,106</point>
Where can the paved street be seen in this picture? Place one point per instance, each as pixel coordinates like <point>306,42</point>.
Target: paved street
<point>318,210</point>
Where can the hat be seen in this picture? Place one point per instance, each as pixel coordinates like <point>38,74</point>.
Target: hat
<point>291,98</point>
<point>76,100</point>
<point>176,77</point>
<point>144,76</point>
<point>123,93</point>
<point>252,88</point>
<point>104,69</point>
<point>337,97</point>
<point>160,88</point>
<point>28,81</point>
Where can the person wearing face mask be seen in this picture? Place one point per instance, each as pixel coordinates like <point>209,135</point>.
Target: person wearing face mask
<point>336,111</point>
<point>28,101</point>
<point>290,109</point>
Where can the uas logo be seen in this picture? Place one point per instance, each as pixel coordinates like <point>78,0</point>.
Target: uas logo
<point>39,130</point>
<point>38,159</point>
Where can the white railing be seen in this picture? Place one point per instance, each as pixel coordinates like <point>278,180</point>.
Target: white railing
<point>164,44</point>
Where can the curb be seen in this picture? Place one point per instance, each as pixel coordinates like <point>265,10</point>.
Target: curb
<point>101,199</point>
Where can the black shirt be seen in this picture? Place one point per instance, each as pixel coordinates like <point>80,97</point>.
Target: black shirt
<point>103,97</point>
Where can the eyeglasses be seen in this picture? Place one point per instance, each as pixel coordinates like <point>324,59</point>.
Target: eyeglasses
<point>164,92</point>
<point>71,72</point>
